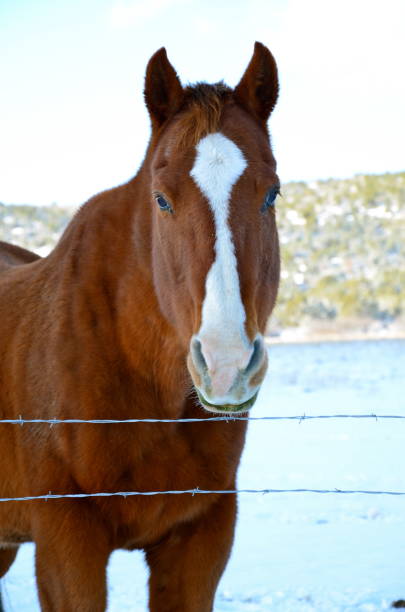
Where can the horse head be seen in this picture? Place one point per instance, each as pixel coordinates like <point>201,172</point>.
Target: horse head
<point>215,254</point>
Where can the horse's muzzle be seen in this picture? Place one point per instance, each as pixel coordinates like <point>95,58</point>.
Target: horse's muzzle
<point>227,380</point>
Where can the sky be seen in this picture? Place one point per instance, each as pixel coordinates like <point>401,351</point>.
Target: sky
<point>72,117</point>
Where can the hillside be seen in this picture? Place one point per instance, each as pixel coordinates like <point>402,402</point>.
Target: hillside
<point>343,259</point>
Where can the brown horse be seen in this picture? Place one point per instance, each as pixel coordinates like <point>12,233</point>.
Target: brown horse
<point>158,288</point>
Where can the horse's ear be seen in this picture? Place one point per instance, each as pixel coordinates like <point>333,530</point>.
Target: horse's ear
<point>163,91</point>
<point>257,90</point>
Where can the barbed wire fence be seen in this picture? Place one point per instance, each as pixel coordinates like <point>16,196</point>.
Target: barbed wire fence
<point>196,491</point>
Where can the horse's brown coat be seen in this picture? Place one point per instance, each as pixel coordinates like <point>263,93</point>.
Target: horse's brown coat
<point>101,329</point>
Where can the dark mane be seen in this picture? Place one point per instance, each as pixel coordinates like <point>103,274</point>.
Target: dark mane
<point>201,111</point>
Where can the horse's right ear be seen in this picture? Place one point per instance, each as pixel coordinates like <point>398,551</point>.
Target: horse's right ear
<point>163,91</point>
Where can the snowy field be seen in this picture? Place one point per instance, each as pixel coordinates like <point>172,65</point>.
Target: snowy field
<point>302,552</point>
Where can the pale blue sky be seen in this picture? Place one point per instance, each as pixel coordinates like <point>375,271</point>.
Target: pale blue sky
<point>72,120</point>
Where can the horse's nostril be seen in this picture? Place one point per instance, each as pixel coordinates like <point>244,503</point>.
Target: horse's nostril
<point>198,357</point>
<point>257,356</point>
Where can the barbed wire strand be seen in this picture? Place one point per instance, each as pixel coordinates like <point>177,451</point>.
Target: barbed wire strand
<point>227,418</point>
<point>198,491</point>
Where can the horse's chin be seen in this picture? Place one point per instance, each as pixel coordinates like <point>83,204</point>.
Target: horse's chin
<point>229,409</point>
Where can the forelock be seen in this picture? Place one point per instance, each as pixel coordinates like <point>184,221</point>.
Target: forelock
<point>201,112</point>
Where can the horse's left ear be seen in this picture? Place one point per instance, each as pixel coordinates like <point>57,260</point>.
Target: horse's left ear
<point>163,91</point>
<point>257,90</point>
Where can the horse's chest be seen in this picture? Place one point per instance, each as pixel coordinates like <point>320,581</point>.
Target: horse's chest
<point>179,460</point>
<point>162,456</point>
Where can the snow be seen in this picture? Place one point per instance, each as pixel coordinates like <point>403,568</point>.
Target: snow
<point>302,552</point>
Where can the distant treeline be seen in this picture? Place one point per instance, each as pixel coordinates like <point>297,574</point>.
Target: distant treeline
<point>342,245</point>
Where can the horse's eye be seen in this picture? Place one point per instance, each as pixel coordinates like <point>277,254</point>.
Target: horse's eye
<point>270,199</point>
<point>162,203</point>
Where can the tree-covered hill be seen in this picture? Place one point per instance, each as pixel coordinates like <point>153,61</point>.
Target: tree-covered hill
<point>342,244</point>
<point>343,249</point>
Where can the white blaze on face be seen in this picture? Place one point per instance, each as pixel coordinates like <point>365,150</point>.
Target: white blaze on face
<point>218,166</point>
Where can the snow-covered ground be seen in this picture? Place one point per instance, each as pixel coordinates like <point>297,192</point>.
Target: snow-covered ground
<point>303,552</point>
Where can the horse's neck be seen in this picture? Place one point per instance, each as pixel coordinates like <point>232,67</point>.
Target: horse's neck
<point>105,259</point>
